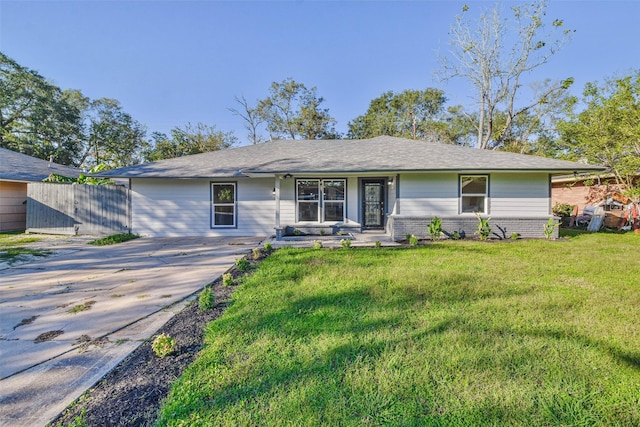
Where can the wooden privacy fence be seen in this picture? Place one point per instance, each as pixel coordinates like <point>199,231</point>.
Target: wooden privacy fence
<point>78,209</point>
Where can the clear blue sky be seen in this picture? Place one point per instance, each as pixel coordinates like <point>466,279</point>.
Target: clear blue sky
<point>173,62</point>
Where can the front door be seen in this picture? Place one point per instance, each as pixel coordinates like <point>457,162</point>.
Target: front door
<point>373,192</point>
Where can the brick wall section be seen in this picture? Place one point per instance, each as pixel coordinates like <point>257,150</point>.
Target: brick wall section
<point>399,226</point>
<point>582,195</point>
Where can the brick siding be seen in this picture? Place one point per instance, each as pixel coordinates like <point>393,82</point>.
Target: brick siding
<point>399,226</point>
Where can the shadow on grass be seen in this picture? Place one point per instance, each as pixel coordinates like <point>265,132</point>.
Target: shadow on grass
<point>278,375</point>
<point>628,358</point>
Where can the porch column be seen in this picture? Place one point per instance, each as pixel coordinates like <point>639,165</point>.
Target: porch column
<point>277,189</point>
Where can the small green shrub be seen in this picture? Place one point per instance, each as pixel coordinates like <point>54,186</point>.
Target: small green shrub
<point>413,240</point>
<point>435,228</point>
<point>206,300</point>
<point>227,279</point>
<point>550,227</point>
<point>562,209</point>
<point>455,235</point>
<point>322,232</point>
<point>163,345</point>
<point>242,264</point>
<point>484,229</point>
<point>378,244</point>
<point>257,253</point>
<point>317,244</point>
<point>346,243</point>
<point>79,420</point>
<point>268,247</point>
<point>297,232</point>
<point>113,239</point>
<point>407,237</point>
<point>515,236</point>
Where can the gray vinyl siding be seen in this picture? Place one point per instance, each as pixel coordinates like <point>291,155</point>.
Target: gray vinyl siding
<point>428,194</point>
<point>168,207</point>
<point>510,194</point>
<point>519,195</point>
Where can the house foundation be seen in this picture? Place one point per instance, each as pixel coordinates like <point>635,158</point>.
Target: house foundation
<point>399,226</point>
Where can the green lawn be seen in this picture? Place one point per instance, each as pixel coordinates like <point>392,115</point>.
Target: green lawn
<point>460,333</point>
<point>12,239</point>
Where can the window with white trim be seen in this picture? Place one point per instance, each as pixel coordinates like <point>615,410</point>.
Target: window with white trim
<point>223,199</point>
<point>474,193</point>
<point>320,200</point>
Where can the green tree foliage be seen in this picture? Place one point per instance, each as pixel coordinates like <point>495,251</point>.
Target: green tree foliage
<point>36,117</point>
<point>607,132</point>
<point>82,178</point>
<point>39,119</point>
<point>417,114</point>
<point>494,54</point>
<point>291,111</point>
<point>192,139</point>
<point>115,138</point>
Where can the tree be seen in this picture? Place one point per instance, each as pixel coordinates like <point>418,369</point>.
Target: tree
<point>192,139</point>
<point>115,138</point>
<point>607,132</point>
<point>495,59</point>
<point>293,111</point>
<point>252,118</point>
<point>416,114</point>
<point>36,117</point>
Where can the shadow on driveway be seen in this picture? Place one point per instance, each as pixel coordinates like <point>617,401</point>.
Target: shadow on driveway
<point>68,319</point>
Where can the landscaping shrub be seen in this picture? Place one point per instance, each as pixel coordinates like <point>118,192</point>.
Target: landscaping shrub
<point>163,345</point>
<point>227,279</point>
<point>207,299</point>
<point>435,228</point>
<point>484,229</point>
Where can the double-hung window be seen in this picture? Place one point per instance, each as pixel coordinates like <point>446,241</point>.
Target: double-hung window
<point>320,200</point>
<point>474,192</point>
<point>223,199</point>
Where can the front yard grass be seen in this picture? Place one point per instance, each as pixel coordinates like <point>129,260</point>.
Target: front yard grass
<point>11,252</point>
<point>461,333</point>
<point>11,239</point>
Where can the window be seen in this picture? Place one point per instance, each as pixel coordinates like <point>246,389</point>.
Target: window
<point>320,200</point>
<point>473,193</point>
<point>333,200</point>
<point>224,204</point>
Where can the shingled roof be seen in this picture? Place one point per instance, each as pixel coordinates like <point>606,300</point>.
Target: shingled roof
<point>22,168</point>
<point>382,154</point>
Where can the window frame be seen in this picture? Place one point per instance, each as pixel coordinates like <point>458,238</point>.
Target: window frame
<point>322,201</point>
<point>215,204</point>
<point>462,195</point>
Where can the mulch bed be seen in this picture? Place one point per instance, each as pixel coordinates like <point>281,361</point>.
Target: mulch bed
<point>131,394</point>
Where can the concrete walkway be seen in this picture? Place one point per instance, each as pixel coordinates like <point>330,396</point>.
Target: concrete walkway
<point>67,319</point>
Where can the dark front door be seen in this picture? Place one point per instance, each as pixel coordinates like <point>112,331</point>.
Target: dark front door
<point>373,204</point>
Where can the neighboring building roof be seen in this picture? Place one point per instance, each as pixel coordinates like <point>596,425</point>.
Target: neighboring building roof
<point>22,168</point>
<point>575,178</point>
<point>378,155</point>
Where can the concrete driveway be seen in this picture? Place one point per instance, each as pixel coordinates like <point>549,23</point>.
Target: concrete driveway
<point>67,319</point>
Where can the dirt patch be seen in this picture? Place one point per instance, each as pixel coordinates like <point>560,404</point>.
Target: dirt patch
<point>48,336</point>
<point>131,393</point>
<point>27,321</point>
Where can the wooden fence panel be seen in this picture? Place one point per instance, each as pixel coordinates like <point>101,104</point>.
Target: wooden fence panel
<point>78,209</point>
